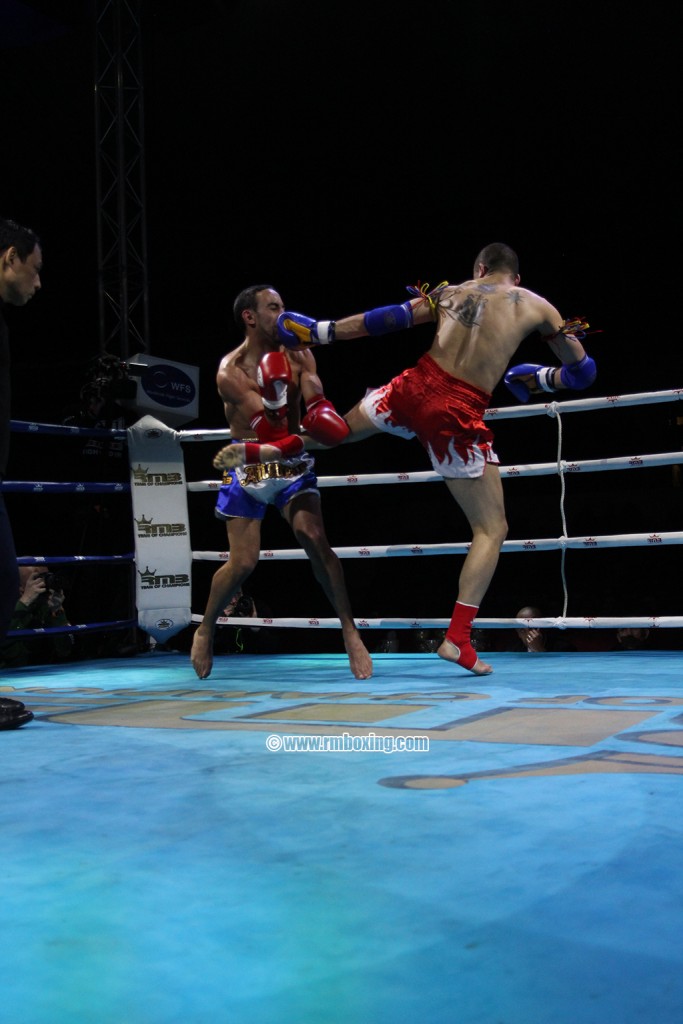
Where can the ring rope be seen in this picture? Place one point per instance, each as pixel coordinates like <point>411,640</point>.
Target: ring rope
<point>617,540</point>
<point>573,622</point>
<point>511,411</point>
<point>29,427</point>
<point>508,472</point>
<point>79,628</point>
<point>38,487</point>
<point>41,487</point>
<point>67,559</point>
<point>560,467</point>
<point>505,412</point>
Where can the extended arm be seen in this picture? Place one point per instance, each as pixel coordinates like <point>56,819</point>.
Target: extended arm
<point>297,331</point>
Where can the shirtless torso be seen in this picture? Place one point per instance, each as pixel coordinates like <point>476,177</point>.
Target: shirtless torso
<point>239,391</point>
<point>482,323</point>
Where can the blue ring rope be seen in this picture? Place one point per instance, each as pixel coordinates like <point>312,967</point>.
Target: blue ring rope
<point>53,630</point>
<point>36,487</point>
<point>64,559</point>
<point>26,427</point>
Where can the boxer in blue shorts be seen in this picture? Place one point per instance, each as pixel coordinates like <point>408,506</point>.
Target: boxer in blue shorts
<point>243,495</point>
<point>262,386</point>
<point>442,400</point>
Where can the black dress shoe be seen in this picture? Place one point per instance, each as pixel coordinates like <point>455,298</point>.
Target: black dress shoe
<point>13,713</point>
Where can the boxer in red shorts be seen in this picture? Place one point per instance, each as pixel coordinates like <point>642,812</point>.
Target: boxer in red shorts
<point>442,400</point>
<point>445,414</point>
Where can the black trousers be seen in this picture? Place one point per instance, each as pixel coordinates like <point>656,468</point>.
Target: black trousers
<point>9,574</point>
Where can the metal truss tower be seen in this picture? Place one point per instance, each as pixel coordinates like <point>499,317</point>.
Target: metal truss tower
<point>120,174</point>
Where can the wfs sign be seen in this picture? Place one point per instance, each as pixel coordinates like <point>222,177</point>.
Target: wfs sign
<point>165,389</point>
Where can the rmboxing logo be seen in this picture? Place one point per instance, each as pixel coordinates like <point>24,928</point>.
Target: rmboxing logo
<point>143,478</point>
<point>148,528</point>
<point>149,580</point>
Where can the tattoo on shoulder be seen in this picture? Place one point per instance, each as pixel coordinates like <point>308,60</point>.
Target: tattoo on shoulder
<point>471,310</point>
<point>515,297</point>
<point>486,287</point>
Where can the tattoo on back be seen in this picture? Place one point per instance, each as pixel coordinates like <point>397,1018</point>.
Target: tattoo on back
<point>514,297</point>
<point>469,313</point>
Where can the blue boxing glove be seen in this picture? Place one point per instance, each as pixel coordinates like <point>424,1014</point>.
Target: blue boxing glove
<point>298,331</point>
<point>529,379</point>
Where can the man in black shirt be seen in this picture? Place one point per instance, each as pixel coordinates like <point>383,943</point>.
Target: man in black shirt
<point>21,261</point>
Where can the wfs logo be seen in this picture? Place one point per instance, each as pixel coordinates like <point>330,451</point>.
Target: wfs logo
<point>149,580</point>
<point>168,386</point>
<point>148,528</point>
<point>143,478</point>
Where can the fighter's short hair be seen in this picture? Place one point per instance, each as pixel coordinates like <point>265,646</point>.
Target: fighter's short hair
<point>498,257</point>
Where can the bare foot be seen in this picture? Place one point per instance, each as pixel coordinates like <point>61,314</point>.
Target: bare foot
<point>202,655</point>
<point>228,457</point>
<point>359,658</point>
<point>449,652</point>
<point>236,455</point>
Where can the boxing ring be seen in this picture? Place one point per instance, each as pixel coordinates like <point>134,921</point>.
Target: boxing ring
<point>282,842</point>
<point>562,468</point>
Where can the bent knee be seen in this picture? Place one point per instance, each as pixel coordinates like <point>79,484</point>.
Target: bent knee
<point>241,566</point>
<point>312,538</point>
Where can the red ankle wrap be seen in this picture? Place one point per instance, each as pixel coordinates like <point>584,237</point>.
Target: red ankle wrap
<point>459,633</point>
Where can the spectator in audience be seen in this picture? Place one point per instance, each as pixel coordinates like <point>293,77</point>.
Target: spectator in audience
<point>40,606</point>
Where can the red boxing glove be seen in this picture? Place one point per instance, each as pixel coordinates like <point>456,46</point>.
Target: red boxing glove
<point>323,422</point>
<point>273,375</point>
<point>266,430</point>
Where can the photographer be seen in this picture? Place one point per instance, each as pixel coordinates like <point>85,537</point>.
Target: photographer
<point>246,639</point>
<point>40,606</point>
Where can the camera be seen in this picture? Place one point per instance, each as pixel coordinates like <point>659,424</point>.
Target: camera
<point>244,607</point>
<point>111,379</point>
<point>53,581</point>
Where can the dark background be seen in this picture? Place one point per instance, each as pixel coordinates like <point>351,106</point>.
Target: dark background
<point>342,151</point>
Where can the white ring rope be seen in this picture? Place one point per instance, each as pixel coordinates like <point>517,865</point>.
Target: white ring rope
<point>507,472</point>
<point>617,540</point>
<point>587,622</point>
<point>560,467</point>
<point>511,411</point>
